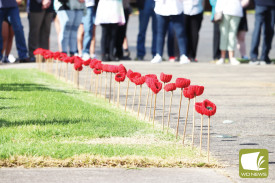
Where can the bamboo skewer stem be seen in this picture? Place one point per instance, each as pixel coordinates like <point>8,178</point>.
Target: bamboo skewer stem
<point>163,110</point>
<point>100,84</point>
<point>77,79</point>
<point>185,124</point>
<point>96,85</point>
<point>179,114</point>
<point>146,103</point>
<point>118,92</point>
<point>201,133</point>
<point>86,78</point>
<point>208,141</point>
<point>105,85</point>
<point>110,88</point>
<point>67,65</point>
<point>154,110</point>
<point>139,99</point>
<point>114,93</point>
<point>127,94</point>
<point>91,82</point>
<point>168,123</point>
<point>151,106</point>
<point>134,98</point>
<point>193,128</point>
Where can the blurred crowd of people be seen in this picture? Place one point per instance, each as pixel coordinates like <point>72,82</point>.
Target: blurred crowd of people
<point>76,20</point>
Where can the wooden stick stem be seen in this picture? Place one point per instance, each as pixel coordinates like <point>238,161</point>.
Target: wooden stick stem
<point>118,92</point>
<point>201,133</point>
<point>105,85</point>
<point>139,99</point>
<point>134,98</point>
<point>96,85</point>
<point>114,93</point>
<point>179,114</point>
<point>185,124</point>
<point>146,103</point>
<point>168,123</point>
<point>208,142</point>
<point>100,88</point>
<point>163,109</point>
<point>127,93</point>
<point>151,106</point>
<point>193,128</point>
<point>110,88</point>
<point>154,110</point>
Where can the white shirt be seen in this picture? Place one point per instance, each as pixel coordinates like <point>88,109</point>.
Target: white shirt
<point>192,7</point>
<point>110,11</point>
<point>89,3</point>
<point>230,7</point>
<point>168,7</point>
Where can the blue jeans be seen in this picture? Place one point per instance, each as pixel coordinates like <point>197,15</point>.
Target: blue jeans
<point>144,16</point>
<point>178,24</point>
<point>171,40</point>
<point>13,16</point>
<point>69,23</point>
<point>264,17</point>
<point>88,23</point>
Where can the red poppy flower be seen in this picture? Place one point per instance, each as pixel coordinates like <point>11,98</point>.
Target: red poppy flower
<point>105,67</point>
<point>56,55</point>
<point>149,80</point>
<point>97,71</point>
<point>165,77</point>
<point>155,86</point>
<point>38,51</point>
<point>68,60</point>
<point>182,82</point>
<point>129,73</point>
<point>47,54</point>
<point>195,90</point>
<point>98,65</point>
<point>114,68</point>
<point>134,75</point>
<point>170,87</point>
<point>87,62</point>
<point>122,69</point>
<point>208,108</point>
<point>187,94</point>
<point>120,77</point>
<point>198,107</point>
<point>139,80</point>
<point>151,76</point>
<point>62,56</point>
<point>93,62</point>
<point>78,63</point>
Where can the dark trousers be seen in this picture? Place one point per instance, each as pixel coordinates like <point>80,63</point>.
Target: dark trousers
<point>108,39</point>
<point>216,42</point>
<point>192,26</point>
<point>178,24</point>
<point>264,19</point>
<point>122,34</point>
<point>40,28</point>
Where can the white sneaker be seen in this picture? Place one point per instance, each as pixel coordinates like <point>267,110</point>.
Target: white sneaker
<point>11,58</point>
<point>184,59</point>
<point>85,56</point>
<point>220,61</point>
<point>234,61</point>
<point>93,56</point>
<point>262,62</point>
<point>156,59</point>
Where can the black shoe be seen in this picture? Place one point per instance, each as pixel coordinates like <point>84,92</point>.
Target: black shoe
<point>113,58</point>
<point>139,58</point>
<point>25,60</point>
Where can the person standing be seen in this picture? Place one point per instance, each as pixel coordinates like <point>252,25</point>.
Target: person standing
<point>264,21</point>
<point>9,9</point>
<point>40,16</point>
<point>109,15</point>
<point>232,13</point>
<point>69,13</point>
<point>193,15</point>
<point>146,10</point>
<point>167,11</point>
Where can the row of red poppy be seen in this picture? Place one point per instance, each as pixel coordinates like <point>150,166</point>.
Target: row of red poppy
<point>206,107</point>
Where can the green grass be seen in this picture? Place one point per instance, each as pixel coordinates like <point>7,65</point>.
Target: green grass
<point>43,117</point>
